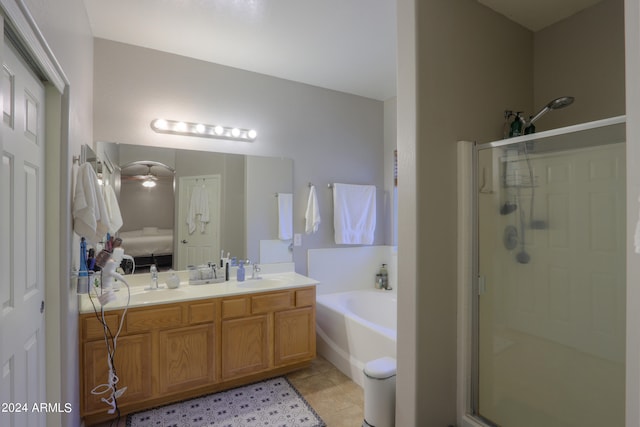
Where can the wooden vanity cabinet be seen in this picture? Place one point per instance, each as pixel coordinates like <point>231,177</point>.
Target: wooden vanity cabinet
<point>246,346</point>
<point>171,352</point>
<point>135,374</point>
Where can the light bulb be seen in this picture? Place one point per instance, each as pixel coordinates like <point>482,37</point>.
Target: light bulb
<point>218,130</point>
<point>252,134</point>
<point>200,128</point>
<point>149,183</point>
<point>160,124</point>
<point>235,132</point>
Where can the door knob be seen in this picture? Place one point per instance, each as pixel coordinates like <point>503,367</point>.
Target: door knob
<point>184,241</point>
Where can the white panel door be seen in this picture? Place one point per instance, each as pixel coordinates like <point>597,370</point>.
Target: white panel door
<point>202,244</point>
<point>22,333</point>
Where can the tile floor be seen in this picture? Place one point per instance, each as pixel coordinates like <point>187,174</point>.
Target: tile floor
<point>338,400</point>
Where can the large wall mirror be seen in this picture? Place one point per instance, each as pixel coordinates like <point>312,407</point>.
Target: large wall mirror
<point>185,207</point>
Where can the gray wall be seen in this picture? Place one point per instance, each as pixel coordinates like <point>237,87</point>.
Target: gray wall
<point>265,176</point>
<point>146,207</point>
<point>471,64</point>
<point>331,136</point>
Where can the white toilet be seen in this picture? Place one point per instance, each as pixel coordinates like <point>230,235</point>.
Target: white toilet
<point>380,393</point>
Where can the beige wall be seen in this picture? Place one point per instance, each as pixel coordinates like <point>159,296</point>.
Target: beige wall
<point>472,64</point>
<point>632,65</point>
<point>582,56</point>
<point>467,76</point>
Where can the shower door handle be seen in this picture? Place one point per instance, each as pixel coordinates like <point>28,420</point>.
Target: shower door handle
<point>482,285</point>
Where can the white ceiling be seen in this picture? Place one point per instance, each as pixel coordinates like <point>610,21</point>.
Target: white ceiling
<point>344,45</point>
<point>348,46</point>
<point>538,14</point>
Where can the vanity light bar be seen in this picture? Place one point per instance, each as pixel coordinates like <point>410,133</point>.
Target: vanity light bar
<point>199,129</point>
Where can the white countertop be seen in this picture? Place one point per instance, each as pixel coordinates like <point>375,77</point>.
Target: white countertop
<point>141,296</point>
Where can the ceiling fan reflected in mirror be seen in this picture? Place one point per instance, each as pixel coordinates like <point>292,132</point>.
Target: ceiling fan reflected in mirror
<point>149,178</point>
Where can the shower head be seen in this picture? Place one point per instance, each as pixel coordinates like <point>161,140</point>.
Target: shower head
<point>556,104</point>
<point>563,101</point>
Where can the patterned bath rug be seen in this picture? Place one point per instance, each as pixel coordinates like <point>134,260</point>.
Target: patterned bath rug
<point>270,403</point>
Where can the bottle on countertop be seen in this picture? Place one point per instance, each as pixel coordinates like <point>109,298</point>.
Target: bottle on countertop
<point>378,281</point>
<point>154,276</point>
<point>384,274</point>
<point>241,272</point>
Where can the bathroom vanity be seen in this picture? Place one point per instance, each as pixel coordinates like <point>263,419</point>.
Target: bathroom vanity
<point>180,343</point>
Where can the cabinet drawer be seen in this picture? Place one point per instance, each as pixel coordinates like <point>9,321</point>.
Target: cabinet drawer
<point>153,318</point>
<point>236,307</point>
<point>92,328</point>
<point>305,297</point>
<point>271,302</point>
<point>202,312</point>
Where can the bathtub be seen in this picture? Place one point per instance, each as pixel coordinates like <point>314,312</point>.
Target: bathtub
<point>356,327</point>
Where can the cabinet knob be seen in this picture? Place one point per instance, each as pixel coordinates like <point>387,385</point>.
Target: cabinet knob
<point>184,241</point>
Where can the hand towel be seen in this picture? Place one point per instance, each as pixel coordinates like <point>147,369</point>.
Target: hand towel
<point>285,216</point>
<point>198,209</point>
<point>354,213</point>
<point>203,208</point>
<point>113,209</point>
<point>312,215</point>
<point>90,217</point>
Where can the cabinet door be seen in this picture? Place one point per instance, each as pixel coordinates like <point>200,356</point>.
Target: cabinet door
<point>295,337</point>
<point>133,368</point>
<point>186,358</point>
<point>245,346</point>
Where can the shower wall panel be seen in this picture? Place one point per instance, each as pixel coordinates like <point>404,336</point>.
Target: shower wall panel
<point>551,310</point>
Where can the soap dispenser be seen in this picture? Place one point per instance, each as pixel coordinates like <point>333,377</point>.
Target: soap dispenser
<point>240,272</point>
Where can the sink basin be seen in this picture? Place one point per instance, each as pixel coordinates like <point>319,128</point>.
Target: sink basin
<point>261,283</point>
<point>154,295</point>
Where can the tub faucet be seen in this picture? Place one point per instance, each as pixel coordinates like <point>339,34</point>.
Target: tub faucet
<point>256,269</point>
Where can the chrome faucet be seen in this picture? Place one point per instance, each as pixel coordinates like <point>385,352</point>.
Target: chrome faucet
<point>256,269</point>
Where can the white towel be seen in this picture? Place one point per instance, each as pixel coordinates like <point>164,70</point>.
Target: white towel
<point>113,209</point>
<point>90,217</point>
<point>198,209</point>
<point>285,216</point>
<point>312,215</point>
<point>354,213</point>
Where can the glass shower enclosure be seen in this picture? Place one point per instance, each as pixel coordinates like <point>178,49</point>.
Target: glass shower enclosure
<point>549,293</point>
